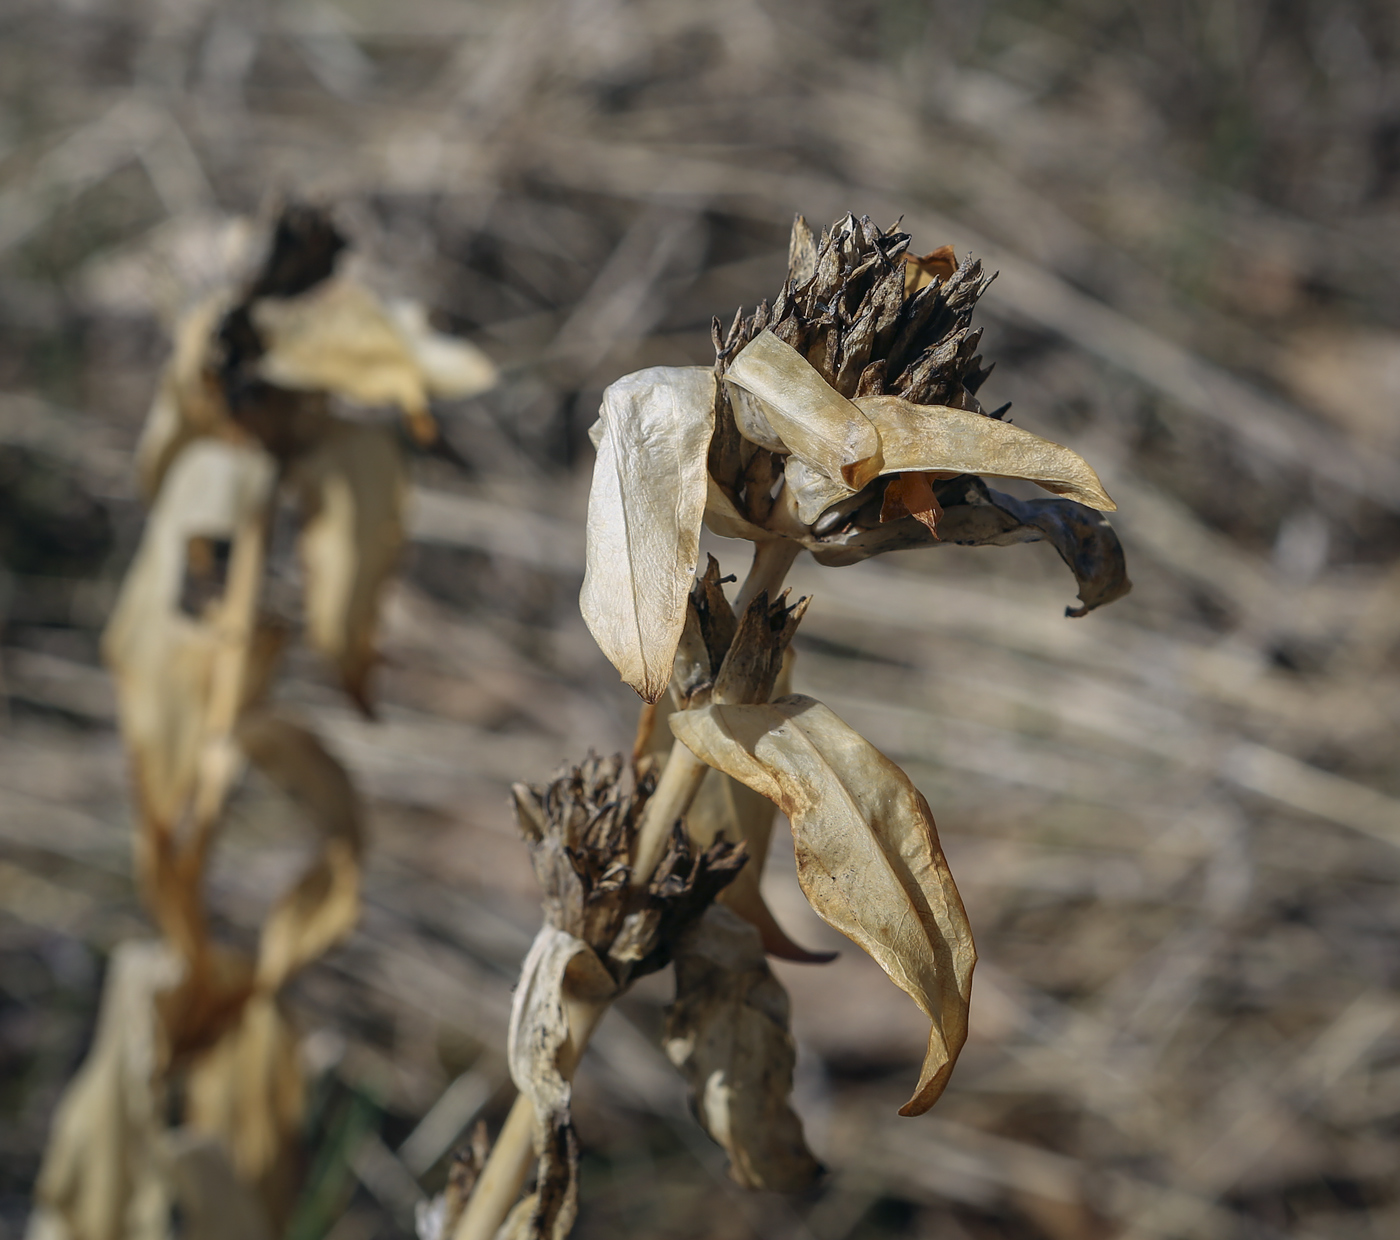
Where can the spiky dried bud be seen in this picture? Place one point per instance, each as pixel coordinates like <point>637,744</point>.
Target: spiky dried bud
<point>581,829</point>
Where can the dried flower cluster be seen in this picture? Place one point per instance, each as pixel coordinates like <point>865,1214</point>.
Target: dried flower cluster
<point>189,1027</point>
<point>843,420</point>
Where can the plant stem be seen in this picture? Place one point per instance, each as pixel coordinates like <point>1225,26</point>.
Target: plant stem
<point>675,790</point>
<point>509,1162</point>
<point>771,561</point>
<point>498,1188</point>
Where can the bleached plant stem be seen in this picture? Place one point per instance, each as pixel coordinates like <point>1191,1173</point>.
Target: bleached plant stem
<point>771,562</point>
<point>502,1177</point>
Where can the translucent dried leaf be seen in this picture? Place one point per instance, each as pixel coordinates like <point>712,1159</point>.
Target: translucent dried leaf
<point>103,1175</point>
<point>911,495</point>
<point>868,855</point>
<point>725,519</point>
<point>161,656</point>
<point>726,808</point>
<point>644,515</point>
<point>451,367</point>
<point>247,1088</point>
<point>810,418</point>
<point>561,983</point>
<point>976,516</point>
<point>352,489</point>
<point>957,441</point>
<point>728,1033</point>
<point>338,337</point>
<point>188,402</point>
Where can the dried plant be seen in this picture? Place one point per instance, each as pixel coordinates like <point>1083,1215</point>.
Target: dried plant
<point>843,420</point>
<point>190,1027</point>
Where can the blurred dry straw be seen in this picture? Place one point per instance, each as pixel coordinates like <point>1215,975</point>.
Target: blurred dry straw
<point>1173,822</point>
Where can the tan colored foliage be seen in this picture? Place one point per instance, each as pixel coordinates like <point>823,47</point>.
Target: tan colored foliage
<point>868,856</point>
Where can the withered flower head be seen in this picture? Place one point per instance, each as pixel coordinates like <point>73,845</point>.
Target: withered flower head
<point>842,417</point>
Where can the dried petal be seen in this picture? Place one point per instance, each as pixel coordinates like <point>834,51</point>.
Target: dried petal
<point>911,495</point>
<point>644,515</point>
<point>728,1033</point>
<point>868,856</point>
<point>813,420</point>
<point>352,490</point>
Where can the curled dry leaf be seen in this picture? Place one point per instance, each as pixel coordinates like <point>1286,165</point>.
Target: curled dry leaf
<point>868,855</point>
<point>352,489</point>
<point>188,403</point>
<point>802,413</point>
<point>563,988</point>
<point>339,337</point>
<point>247,1088</point>
<point>163,657</point>
<point>103,1175</point>
<point>973,515</point>
<point>451,367</point>
<point>728,1033</point>
<point>936,437</point>
<point>909,438</point>
<point>644,515</point>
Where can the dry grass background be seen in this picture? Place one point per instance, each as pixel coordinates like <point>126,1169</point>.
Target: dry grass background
<point>1175,822</point>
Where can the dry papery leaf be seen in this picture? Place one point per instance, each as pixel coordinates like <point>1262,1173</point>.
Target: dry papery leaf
<point>733,661</point>
<point>601,931</point>
<point>352,489</point>
<point>247,1087</point>
<point>868,856</point>
<point>973,515</point>
<point>728,1033</point>
<point>112,1170</point>
<point>339,337</point>
<point>563,986</point>
<point>260,364</point>
<point>644,514</point>
<point>793,409</point>
<point>907,437</point>
<point>161,655</point>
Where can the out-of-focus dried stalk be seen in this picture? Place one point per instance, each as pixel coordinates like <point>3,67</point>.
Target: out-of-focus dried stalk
<point>193,652</point>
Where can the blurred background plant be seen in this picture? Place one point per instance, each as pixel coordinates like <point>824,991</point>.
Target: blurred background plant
<point>1174,823</point>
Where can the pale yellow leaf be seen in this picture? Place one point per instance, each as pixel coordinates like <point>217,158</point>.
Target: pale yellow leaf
<point>957,441</point>
<point>163,658</point>
<point>451,367</point>
<point>728,1033</point>
<point>725,519</point>
<point>810,418</point>
<point>562,988</point>
<point>104,1176</point>
<point>645,510</point>
<point>188,402</point>
<point>352,489</point>
<point>868,855</point>
<point>247,1088</point>
<point>338,337</point>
